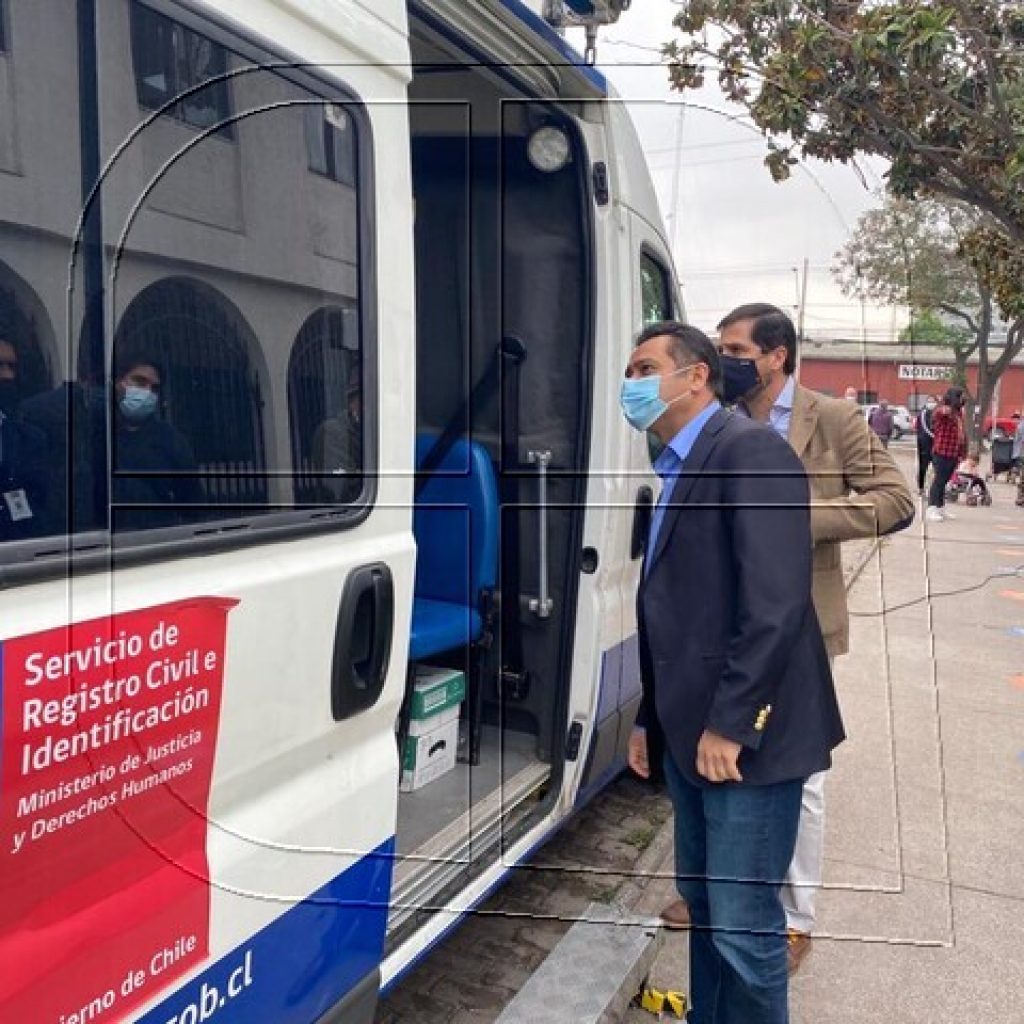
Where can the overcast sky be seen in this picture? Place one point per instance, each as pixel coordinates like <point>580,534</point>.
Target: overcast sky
<point>740,237</point>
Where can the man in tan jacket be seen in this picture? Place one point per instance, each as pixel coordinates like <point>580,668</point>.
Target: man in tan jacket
<point>856,492</point>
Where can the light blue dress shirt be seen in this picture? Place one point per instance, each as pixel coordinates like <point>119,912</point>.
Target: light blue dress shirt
<point>781,413</point>
<point>668,464</point>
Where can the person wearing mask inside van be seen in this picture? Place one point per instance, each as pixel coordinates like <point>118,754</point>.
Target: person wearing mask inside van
<point>145,446</point>
<point>948,445</point>
<point>22,458</point>
<point>925,435</point>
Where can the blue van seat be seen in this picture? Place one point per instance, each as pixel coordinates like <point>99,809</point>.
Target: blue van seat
<point>456,528</point>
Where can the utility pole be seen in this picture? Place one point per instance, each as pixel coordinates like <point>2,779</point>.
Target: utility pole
<point>677,175</point>
<point>803,302</point>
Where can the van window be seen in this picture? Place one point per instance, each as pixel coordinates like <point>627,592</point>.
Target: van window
<point>3,26</point>
<point>655,290</point>
<point>231,383</point>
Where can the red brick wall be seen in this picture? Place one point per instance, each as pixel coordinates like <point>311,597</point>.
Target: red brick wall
<point>835,376</point>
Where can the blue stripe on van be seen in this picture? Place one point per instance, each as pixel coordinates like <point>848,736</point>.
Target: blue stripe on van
<point>541,28</point>
<point>299,965</point>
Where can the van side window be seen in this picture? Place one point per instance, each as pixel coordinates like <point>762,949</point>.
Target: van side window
<point>228,389</point>
<point>655,290</point>
<point>3,26</point>
<point>170,60</point>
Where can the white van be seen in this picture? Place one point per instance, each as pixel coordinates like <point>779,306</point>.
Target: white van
<point>319,310</point>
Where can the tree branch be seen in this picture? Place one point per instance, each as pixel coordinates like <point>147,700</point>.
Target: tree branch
<point>998,100</point>
<point>966,317</point>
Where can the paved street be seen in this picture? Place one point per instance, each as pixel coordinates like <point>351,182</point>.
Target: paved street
<point>920,920</point>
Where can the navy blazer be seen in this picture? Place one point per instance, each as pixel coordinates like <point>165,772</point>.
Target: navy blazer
<point>728,636</point>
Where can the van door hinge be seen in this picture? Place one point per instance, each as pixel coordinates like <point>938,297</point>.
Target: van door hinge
<point>602,193</point>
<point>573,740</point>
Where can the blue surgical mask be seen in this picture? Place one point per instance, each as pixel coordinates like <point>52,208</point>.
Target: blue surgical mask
<point>641,400</point>
<point>739,378</point>
<point>138,403</point>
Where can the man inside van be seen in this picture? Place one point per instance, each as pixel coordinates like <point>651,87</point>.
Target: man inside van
<point>856,491</point>
<point>738,705</point>
<point>155,481</point>
<point>22,456</point>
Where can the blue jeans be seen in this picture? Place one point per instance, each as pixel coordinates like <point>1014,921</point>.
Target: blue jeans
<point>734,844</point>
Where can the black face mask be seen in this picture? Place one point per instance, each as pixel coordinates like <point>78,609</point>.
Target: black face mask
<point>9,396</point>
<point>739,378</point>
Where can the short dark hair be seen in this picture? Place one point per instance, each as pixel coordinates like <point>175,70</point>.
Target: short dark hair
<point>772,328</point>
<point>126,361</point>
<point>687,345</point>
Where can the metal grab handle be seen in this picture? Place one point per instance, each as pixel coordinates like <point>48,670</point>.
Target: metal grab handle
<point>541,606</point>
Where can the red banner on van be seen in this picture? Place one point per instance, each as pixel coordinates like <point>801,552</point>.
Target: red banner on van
<point>109,732</point>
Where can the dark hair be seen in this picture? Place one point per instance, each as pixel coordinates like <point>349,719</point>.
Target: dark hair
<point>126,361</point>
<point>954,396</point>
<point>687,345</point>
<point>772,329</point>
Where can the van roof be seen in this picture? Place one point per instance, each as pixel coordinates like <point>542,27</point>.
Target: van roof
<point>539,56</point>
<point>558,44</point>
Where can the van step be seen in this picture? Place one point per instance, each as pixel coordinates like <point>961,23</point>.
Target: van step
<point>591,976</point>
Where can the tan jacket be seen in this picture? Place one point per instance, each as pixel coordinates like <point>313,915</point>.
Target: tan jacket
<point>856,491</point>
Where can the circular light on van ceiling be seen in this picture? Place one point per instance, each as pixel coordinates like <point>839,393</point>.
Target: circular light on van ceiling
<point>548,149</point>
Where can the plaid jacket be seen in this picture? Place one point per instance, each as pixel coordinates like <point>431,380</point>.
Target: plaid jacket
<point>949,433</point>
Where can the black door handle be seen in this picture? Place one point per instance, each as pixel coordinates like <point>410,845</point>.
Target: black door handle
<point>362,640</point>
<point>642,515</point>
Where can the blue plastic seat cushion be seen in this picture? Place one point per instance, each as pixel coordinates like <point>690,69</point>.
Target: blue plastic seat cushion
<point>440,626</point>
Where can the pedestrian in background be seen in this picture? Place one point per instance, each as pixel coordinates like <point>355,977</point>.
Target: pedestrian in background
<point>949,444</point>
<point>857,491</point>
<point>1017,459</point>
<point>881,422</point>
<point>738,704</point>
<point>925,434</point>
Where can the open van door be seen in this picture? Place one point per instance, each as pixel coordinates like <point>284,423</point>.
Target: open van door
<point>206,581</point>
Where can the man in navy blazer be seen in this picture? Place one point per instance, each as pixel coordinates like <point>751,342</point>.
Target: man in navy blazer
<point>738,702</point>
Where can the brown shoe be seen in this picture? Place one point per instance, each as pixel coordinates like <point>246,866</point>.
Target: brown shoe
<point>799,945</point>
<point>676,915</point>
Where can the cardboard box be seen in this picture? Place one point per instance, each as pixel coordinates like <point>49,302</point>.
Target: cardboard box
<point>421,726</point>
<point>436,690</point>
<point>429,755</point>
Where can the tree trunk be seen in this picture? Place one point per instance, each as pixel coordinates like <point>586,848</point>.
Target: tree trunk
<point>960,357</point>
<point>987,385</point>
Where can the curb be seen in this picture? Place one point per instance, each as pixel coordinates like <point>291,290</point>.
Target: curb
<point>650,865</point>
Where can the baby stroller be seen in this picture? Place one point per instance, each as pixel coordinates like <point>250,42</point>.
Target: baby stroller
<point>972,487</point>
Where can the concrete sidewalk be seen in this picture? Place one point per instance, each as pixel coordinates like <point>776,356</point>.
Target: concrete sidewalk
<point>922,915</point>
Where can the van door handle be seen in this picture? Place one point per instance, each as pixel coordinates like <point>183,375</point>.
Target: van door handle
<point>643,512</point>
<point>362,640</point>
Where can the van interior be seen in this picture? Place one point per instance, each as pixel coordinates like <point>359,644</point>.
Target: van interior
<point>503,363</point>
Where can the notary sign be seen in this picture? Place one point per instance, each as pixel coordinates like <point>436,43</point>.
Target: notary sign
<point>109,732</point>
<point>913,371</point>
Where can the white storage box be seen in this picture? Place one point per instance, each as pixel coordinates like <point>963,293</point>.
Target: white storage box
<point>429,754</point>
